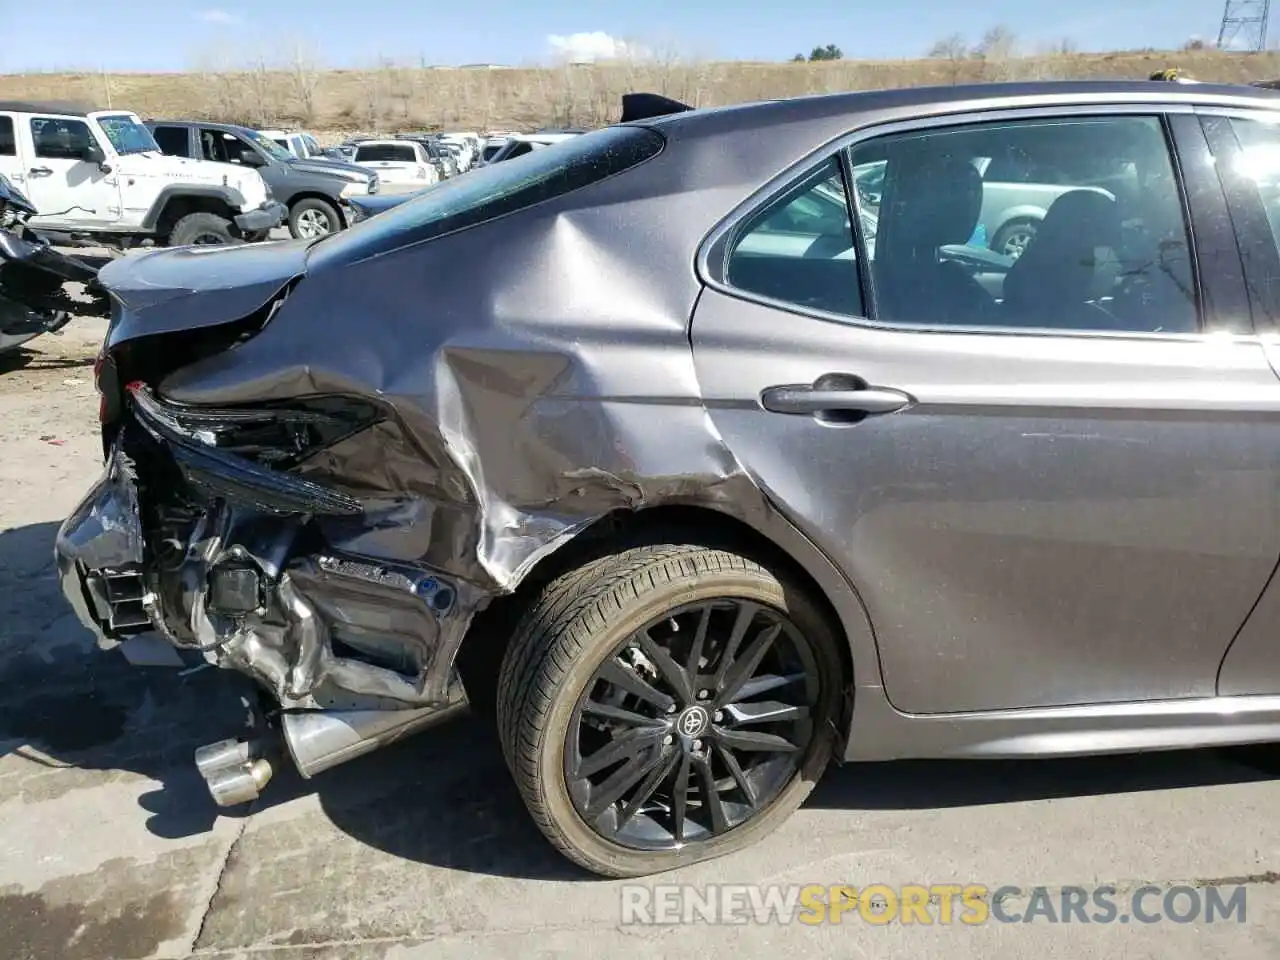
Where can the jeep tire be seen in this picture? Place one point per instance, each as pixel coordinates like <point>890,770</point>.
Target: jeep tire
<point>201,228</point>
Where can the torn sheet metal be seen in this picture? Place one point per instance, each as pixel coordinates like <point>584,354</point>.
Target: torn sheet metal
<point>347,450</point>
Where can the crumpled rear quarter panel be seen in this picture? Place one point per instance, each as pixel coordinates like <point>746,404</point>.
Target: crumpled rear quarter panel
<point>537,370</point>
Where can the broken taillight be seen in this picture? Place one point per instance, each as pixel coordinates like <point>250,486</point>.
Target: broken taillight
<point>106,381</point>
<point>279,435</point>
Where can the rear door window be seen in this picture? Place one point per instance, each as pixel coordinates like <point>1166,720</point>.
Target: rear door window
<point>8,143</point>
<point>799,248</point>
<point>386,152</point>
<point>1045,223</point>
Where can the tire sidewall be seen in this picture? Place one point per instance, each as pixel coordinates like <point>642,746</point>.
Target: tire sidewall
<point>228,238</point>
<point>311,203</point>
<point>1022,225</point>
<point>744,585</point>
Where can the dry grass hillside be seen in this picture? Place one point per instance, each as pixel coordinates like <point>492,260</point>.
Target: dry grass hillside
<point>390,97</point>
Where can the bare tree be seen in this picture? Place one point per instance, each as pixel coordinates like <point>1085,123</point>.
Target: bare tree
<point>953,47</point>
<point>221,85</point>
<point>998,43</point>
<point>262,89</point>
<point>375,93</point>
<point>304,70</point>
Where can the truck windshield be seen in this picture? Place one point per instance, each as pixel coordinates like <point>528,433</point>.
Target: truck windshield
<point>269,146</point>
<point>127,135</point>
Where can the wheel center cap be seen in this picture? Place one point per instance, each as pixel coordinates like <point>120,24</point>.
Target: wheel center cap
<point>692,722</point>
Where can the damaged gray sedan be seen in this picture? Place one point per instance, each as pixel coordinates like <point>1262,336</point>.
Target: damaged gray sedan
<point>700,467</point>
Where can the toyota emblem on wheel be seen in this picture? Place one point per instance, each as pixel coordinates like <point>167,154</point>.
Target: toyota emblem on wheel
<point>692,722</point>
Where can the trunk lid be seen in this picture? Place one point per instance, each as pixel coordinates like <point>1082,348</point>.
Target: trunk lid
<point>189,288</point>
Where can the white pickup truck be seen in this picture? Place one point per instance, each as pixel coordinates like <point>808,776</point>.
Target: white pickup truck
<point>97,177</point>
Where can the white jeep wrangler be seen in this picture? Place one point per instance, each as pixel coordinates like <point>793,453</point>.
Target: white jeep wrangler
<point>98,178</point>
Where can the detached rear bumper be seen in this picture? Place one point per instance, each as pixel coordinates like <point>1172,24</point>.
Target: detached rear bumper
<point>99,553</point>
<point>267,217</point>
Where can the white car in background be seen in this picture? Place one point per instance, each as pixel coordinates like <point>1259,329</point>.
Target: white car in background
<point>301,144</point>
<point>492,144</point>
<point>400,164</point>
<point>518,144</point>
<point>469,143</point>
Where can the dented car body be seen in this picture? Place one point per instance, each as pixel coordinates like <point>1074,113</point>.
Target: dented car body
<point>329,522</point>
<point>722,524</point>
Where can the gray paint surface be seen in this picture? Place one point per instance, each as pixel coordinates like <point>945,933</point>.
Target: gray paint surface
<point>1052,522</point>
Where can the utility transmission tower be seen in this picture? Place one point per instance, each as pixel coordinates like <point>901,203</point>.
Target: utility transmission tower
<point>1244,25</point>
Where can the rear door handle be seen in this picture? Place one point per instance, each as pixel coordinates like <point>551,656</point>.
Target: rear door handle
<point>833,394</point>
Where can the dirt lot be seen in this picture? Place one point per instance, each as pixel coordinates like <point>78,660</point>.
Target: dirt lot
<point>110,848</point>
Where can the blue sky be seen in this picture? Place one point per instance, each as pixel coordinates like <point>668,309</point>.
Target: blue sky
<point>175,34</point>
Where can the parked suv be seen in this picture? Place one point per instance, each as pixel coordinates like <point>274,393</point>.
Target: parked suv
<point>444,161</point>
<point>98,177</point>
<point>312,190</point>
<point>402,164</point>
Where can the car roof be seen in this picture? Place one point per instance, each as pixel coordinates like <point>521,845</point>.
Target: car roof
<point>543,137</point>
<point>383,141</point>
<point>66,108</point>
<point>227,127</point>
<point>910,102</point>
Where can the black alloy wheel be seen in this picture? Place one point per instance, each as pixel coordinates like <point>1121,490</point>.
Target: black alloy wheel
<point>693,725</point>
<point>668,704</point>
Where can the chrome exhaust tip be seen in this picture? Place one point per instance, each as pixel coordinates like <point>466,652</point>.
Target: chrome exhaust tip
<point>235,771</point>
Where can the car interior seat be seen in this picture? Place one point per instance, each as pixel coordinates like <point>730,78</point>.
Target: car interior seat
<point>1067,267</point>
<point>929,203</point>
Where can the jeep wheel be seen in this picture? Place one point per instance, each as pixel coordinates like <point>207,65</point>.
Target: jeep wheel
<point>667,705</point>
<point>201,228</point>
<point>311,218</point>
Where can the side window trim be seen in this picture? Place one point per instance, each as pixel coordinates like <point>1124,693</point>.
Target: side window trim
<point>1218,268</point>
<point>711,255</point>
<point>861,255</point>
<point>1257,246</point>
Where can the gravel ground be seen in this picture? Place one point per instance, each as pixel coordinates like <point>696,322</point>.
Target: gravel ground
<point>110,848</point>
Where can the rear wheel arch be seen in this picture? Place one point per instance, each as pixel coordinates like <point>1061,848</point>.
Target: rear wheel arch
<point>782,550</point>
<point>172,206</point>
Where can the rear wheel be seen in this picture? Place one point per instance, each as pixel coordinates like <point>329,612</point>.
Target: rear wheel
<point>1014,238</point>
<point>667,705</point>
<point>202,229</point>
<point>311,218</point>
